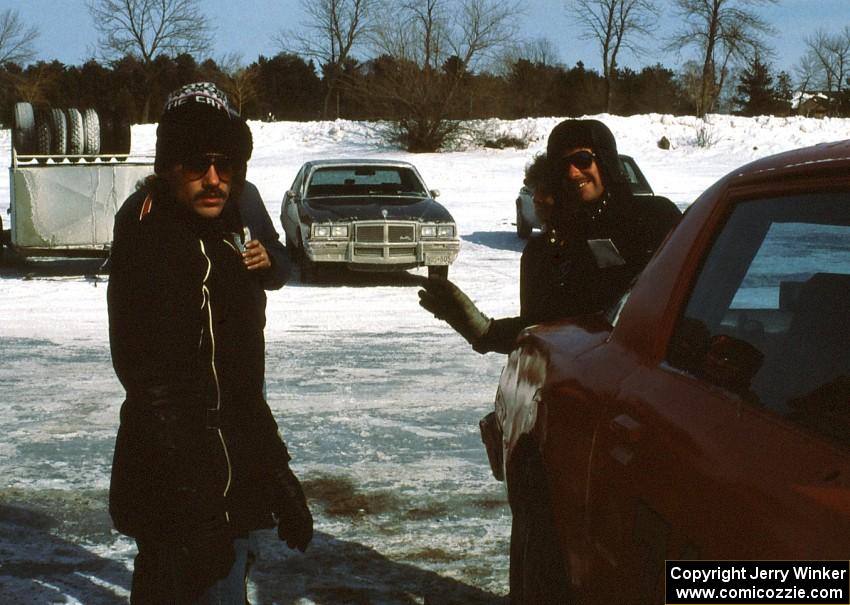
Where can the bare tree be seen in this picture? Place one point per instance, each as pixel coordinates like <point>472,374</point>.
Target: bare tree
<point>537,51</point>
<point>806,71</point>
<point>16,40</point>
<point>332,31</point>
<point>433,45</point>
<point>149,28</point>
<point>689,81</point>
<point>616,25</point>
<point>417,33</point>
<point>828,56</point>
<point>540,50</point>
<point>723,31</point>
<point>236,80</point>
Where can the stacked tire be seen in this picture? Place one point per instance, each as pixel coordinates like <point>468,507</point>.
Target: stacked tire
<point>23,132</point>
<point>59,134</point>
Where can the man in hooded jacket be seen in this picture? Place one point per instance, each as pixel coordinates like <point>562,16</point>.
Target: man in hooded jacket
<point>599,237</point>
<point>199,463</point>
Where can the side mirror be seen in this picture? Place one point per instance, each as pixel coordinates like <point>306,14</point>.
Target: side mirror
<point>289,195</point>
<point>435,193</point>
<point>732,363</point>
<point>724,360</point>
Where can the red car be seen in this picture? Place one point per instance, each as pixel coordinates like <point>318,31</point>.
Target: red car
<point>707,416</point>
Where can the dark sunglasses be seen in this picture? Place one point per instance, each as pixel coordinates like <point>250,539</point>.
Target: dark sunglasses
<point>580,159</point>
<point>196,166</point>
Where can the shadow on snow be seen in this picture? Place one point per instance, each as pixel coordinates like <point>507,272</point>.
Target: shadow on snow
<point>500,240</point>
<point>40,566</point>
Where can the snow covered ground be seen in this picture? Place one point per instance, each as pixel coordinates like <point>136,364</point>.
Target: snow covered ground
<point>378,401</point>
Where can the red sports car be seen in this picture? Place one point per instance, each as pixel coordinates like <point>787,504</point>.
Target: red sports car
<point>707,415</point>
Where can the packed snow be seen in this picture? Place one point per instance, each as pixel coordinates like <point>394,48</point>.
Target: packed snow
<point>378,401</point>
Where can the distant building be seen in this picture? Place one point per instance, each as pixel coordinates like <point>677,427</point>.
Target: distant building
<point>812,104</point>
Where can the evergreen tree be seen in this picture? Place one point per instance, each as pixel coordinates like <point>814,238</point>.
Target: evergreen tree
<point>288,89</point>
<point>783,92</point>
<point>755,93</point>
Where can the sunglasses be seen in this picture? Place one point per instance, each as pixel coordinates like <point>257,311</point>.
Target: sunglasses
<point>195,167</point>
<point>580,159</point>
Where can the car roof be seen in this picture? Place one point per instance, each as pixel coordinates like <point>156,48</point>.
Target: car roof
<point>358,162</point>
<point>824,157</point>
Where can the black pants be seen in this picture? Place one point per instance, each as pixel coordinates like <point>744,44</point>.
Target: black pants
<point>160,577</point>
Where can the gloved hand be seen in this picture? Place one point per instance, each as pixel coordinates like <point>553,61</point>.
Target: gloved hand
<point>294,521</point>
<point>448,302</point>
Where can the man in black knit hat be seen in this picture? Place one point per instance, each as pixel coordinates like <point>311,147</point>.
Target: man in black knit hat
<point>598,238</point>
<point>199,464</point>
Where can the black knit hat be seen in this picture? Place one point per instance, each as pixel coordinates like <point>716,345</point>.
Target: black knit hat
<point>198,119</point>
<point>592,134</point>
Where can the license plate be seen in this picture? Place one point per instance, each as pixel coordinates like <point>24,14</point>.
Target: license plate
<point>437,259</point>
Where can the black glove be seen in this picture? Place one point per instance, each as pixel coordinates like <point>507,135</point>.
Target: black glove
<point>294,521</point>
<point>448,302</point>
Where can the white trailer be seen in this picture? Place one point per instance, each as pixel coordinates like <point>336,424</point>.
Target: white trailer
<point>70,172</point>
<point>67,207</point>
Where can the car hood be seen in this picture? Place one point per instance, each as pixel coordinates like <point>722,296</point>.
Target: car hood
<point>374,208</point>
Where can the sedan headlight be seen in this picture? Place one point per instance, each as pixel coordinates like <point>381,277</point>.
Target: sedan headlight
<point>437,231</point>
<point>330,231</point>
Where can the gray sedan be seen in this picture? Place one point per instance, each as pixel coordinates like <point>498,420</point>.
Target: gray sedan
<point>370,215</point>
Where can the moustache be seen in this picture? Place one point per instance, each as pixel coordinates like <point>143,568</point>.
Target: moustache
<point>211,192</point>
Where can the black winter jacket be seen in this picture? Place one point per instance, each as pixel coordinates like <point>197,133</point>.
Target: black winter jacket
<point>186,334</point>
<point>560,276</point>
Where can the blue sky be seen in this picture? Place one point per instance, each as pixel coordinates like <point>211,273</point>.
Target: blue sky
<point>248,28</point>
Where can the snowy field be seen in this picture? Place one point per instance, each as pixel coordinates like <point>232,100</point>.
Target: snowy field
<point>378,401</point>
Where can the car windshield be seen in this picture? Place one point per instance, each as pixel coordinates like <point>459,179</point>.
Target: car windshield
<point>334,181</point>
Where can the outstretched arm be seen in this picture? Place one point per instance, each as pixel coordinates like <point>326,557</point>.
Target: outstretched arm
<point>448,302</point>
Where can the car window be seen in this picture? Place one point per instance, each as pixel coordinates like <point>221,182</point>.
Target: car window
<point>769,314</point>
<point>636,180</point>
<point>364,180</point>
<point>296,184</point>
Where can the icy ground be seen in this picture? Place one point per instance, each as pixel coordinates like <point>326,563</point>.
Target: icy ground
<point>378,401</point>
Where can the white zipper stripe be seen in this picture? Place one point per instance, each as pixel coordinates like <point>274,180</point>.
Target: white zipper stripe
<point>208,302</point>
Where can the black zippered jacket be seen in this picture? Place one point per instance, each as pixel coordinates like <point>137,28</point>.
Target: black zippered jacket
<point>186,335</point>
<point>561,277</point>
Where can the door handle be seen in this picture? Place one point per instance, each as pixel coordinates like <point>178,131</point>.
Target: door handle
<point>626,429</point>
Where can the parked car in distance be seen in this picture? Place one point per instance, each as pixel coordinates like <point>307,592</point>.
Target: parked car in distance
<point>526,218</point>
<point>707,415</point>
<point>370,215</point>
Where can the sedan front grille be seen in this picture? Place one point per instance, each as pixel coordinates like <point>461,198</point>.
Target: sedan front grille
<point>400,233</point>
<point>385,234</point>
<point>370,233</point>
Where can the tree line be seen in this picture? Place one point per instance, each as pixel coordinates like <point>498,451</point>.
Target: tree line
<point>436,63</point>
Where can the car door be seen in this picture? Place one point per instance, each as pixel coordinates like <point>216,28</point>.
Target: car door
<point>735,445</point>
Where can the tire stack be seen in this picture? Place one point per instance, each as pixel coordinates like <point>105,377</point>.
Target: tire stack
<point>72,134</point>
